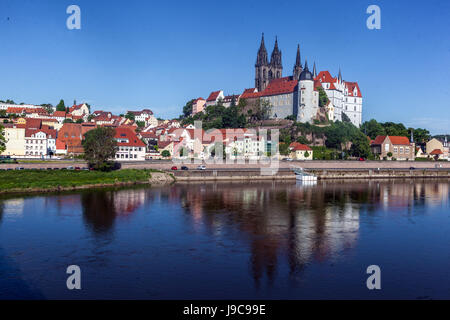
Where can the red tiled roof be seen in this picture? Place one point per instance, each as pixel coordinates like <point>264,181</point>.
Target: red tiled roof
<point>126,133</point>
<point>351,87</point>
<point>213,96</point>
<point>249,93</point>
<point>397,140</point>
<point>436,152</point>
<point>59,114</point>
<point>299,146</point>
<point>60,145</point>
<point>279,86</point>
<point>325,76</point>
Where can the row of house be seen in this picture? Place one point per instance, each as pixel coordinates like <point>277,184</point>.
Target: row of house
<point>400,148</point>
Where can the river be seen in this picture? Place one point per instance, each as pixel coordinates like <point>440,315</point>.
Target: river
<point>259,240</point>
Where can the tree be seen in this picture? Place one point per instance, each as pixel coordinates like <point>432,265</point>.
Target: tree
<point>373,129</point>
<point>389,154</point>
<point>187,109</point>
<point>79,120</point>
<point>360,146</point>
<point>306,154</point>
<point>323,98</point>
<point>2,140</point>
<point>68,120</point>
<point>140,124</point>
<point>165,153</point>
<point>47,107</point>
<point>100,146</point>
<point>61,106</point>
<point>129,116</point>
<point>345,118</point>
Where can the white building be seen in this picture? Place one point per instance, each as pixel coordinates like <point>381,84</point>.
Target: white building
<point>129,146</point>
<point>308,97</point>
<point>345,96</point>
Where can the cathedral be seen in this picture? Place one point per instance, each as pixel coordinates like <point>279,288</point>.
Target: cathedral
<point>297,95</point>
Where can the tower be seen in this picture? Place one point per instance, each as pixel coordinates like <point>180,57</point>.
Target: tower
<point>314,71</point>
<point>275,67</point>
<point>261,67</point>
<point>298,65</point>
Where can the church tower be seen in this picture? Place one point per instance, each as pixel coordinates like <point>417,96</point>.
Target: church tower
<point>298,65</point>
<point>276,67</point>
<point>261,67</point>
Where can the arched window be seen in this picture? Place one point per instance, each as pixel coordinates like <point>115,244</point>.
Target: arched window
<point>278,74</point>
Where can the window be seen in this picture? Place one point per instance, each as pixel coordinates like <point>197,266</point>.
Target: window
<point>401,149</point>
<point>395,149</point>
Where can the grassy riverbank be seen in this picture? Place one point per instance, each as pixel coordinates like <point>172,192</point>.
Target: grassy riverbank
<point>46,180</point>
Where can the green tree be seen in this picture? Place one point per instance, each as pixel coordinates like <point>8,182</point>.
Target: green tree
<point>68,120</point>
<point>140,124</point>
<point>61,106</point>
<point>79,121</point>
<point>373,129</point>
<point>165,153</point>
<point>129,116</point>
<point>2,139</point>
<point>345,118</point>
<point>100,146</point>
<point>187,109</point>
<point>323,98</point>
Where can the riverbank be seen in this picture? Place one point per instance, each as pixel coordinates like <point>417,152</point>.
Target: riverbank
<point>322,174</point>
<point>19,181</point>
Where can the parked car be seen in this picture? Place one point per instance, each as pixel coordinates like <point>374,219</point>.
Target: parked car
<point>201,167</point>
<point>412,168</point>
<point>361,159</point>
<point>77,168</point>
<point>174,168</point>
<point>70,168</point>
<point>184,168</point>
<point>20,168</point>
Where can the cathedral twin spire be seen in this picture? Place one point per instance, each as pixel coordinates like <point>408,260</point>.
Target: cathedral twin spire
<point>262,58</point>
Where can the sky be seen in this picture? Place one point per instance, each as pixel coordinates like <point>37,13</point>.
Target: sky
<point>138,54</point>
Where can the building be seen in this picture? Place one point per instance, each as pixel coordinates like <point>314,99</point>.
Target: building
<point>300,151</point>
<point>345,96</point>
<point>266,71</point>
<point>214,98</point>
<point>390,147</point>
<point>71,135</point>
<point>145,116</point>
<point>15,140</point>
<point>198,105</point>
<point>129,146</point>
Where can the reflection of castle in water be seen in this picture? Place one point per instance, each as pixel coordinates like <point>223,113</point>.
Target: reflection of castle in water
<point>303,224</point>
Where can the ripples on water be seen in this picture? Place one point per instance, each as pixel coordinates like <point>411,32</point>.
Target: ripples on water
<point>230,240</point>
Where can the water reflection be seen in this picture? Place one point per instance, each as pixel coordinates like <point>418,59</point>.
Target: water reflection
<point>299,223</point>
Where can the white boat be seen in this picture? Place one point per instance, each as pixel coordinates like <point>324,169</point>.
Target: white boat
<point>301,175</point>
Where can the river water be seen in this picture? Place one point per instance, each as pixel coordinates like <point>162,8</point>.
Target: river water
<point>230,241</point>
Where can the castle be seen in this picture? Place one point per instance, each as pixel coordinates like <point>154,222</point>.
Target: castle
<point>297,95</point>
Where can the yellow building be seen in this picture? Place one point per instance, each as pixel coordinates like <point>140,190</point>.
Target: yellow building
<point>15,141</point>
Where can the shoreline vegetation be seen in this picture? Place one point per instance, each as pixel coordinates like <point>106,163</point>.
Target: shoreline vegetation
<point>65,180</point>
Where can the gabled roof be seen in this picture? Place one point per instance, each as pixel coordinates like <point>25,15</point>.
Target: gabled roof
<point>126,133</point>
<point>396,140</point>
<point>213,96</point>
<point>351,87</point>
<point>249,93</point>
<point>296,146</point>
<point>436,152</point>
<point>325,76</point>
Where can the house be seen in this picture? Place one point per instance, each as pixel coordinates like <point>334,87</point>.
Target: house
<point>393,147</point>
<point>437,154</point>
<point>80,110</point>
<point>15,140</point>
<point>198,105</point>
<point>228,100</point>
<point>434,144</point>
<point>129,146</point>
<point>72,134</point>
<point>166,145</point>
<point>214,98</point>
<point>300,151</point>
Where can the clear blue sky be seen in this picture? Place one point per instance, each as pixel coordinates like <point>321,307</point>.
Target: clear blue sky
<point>159,54</point>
